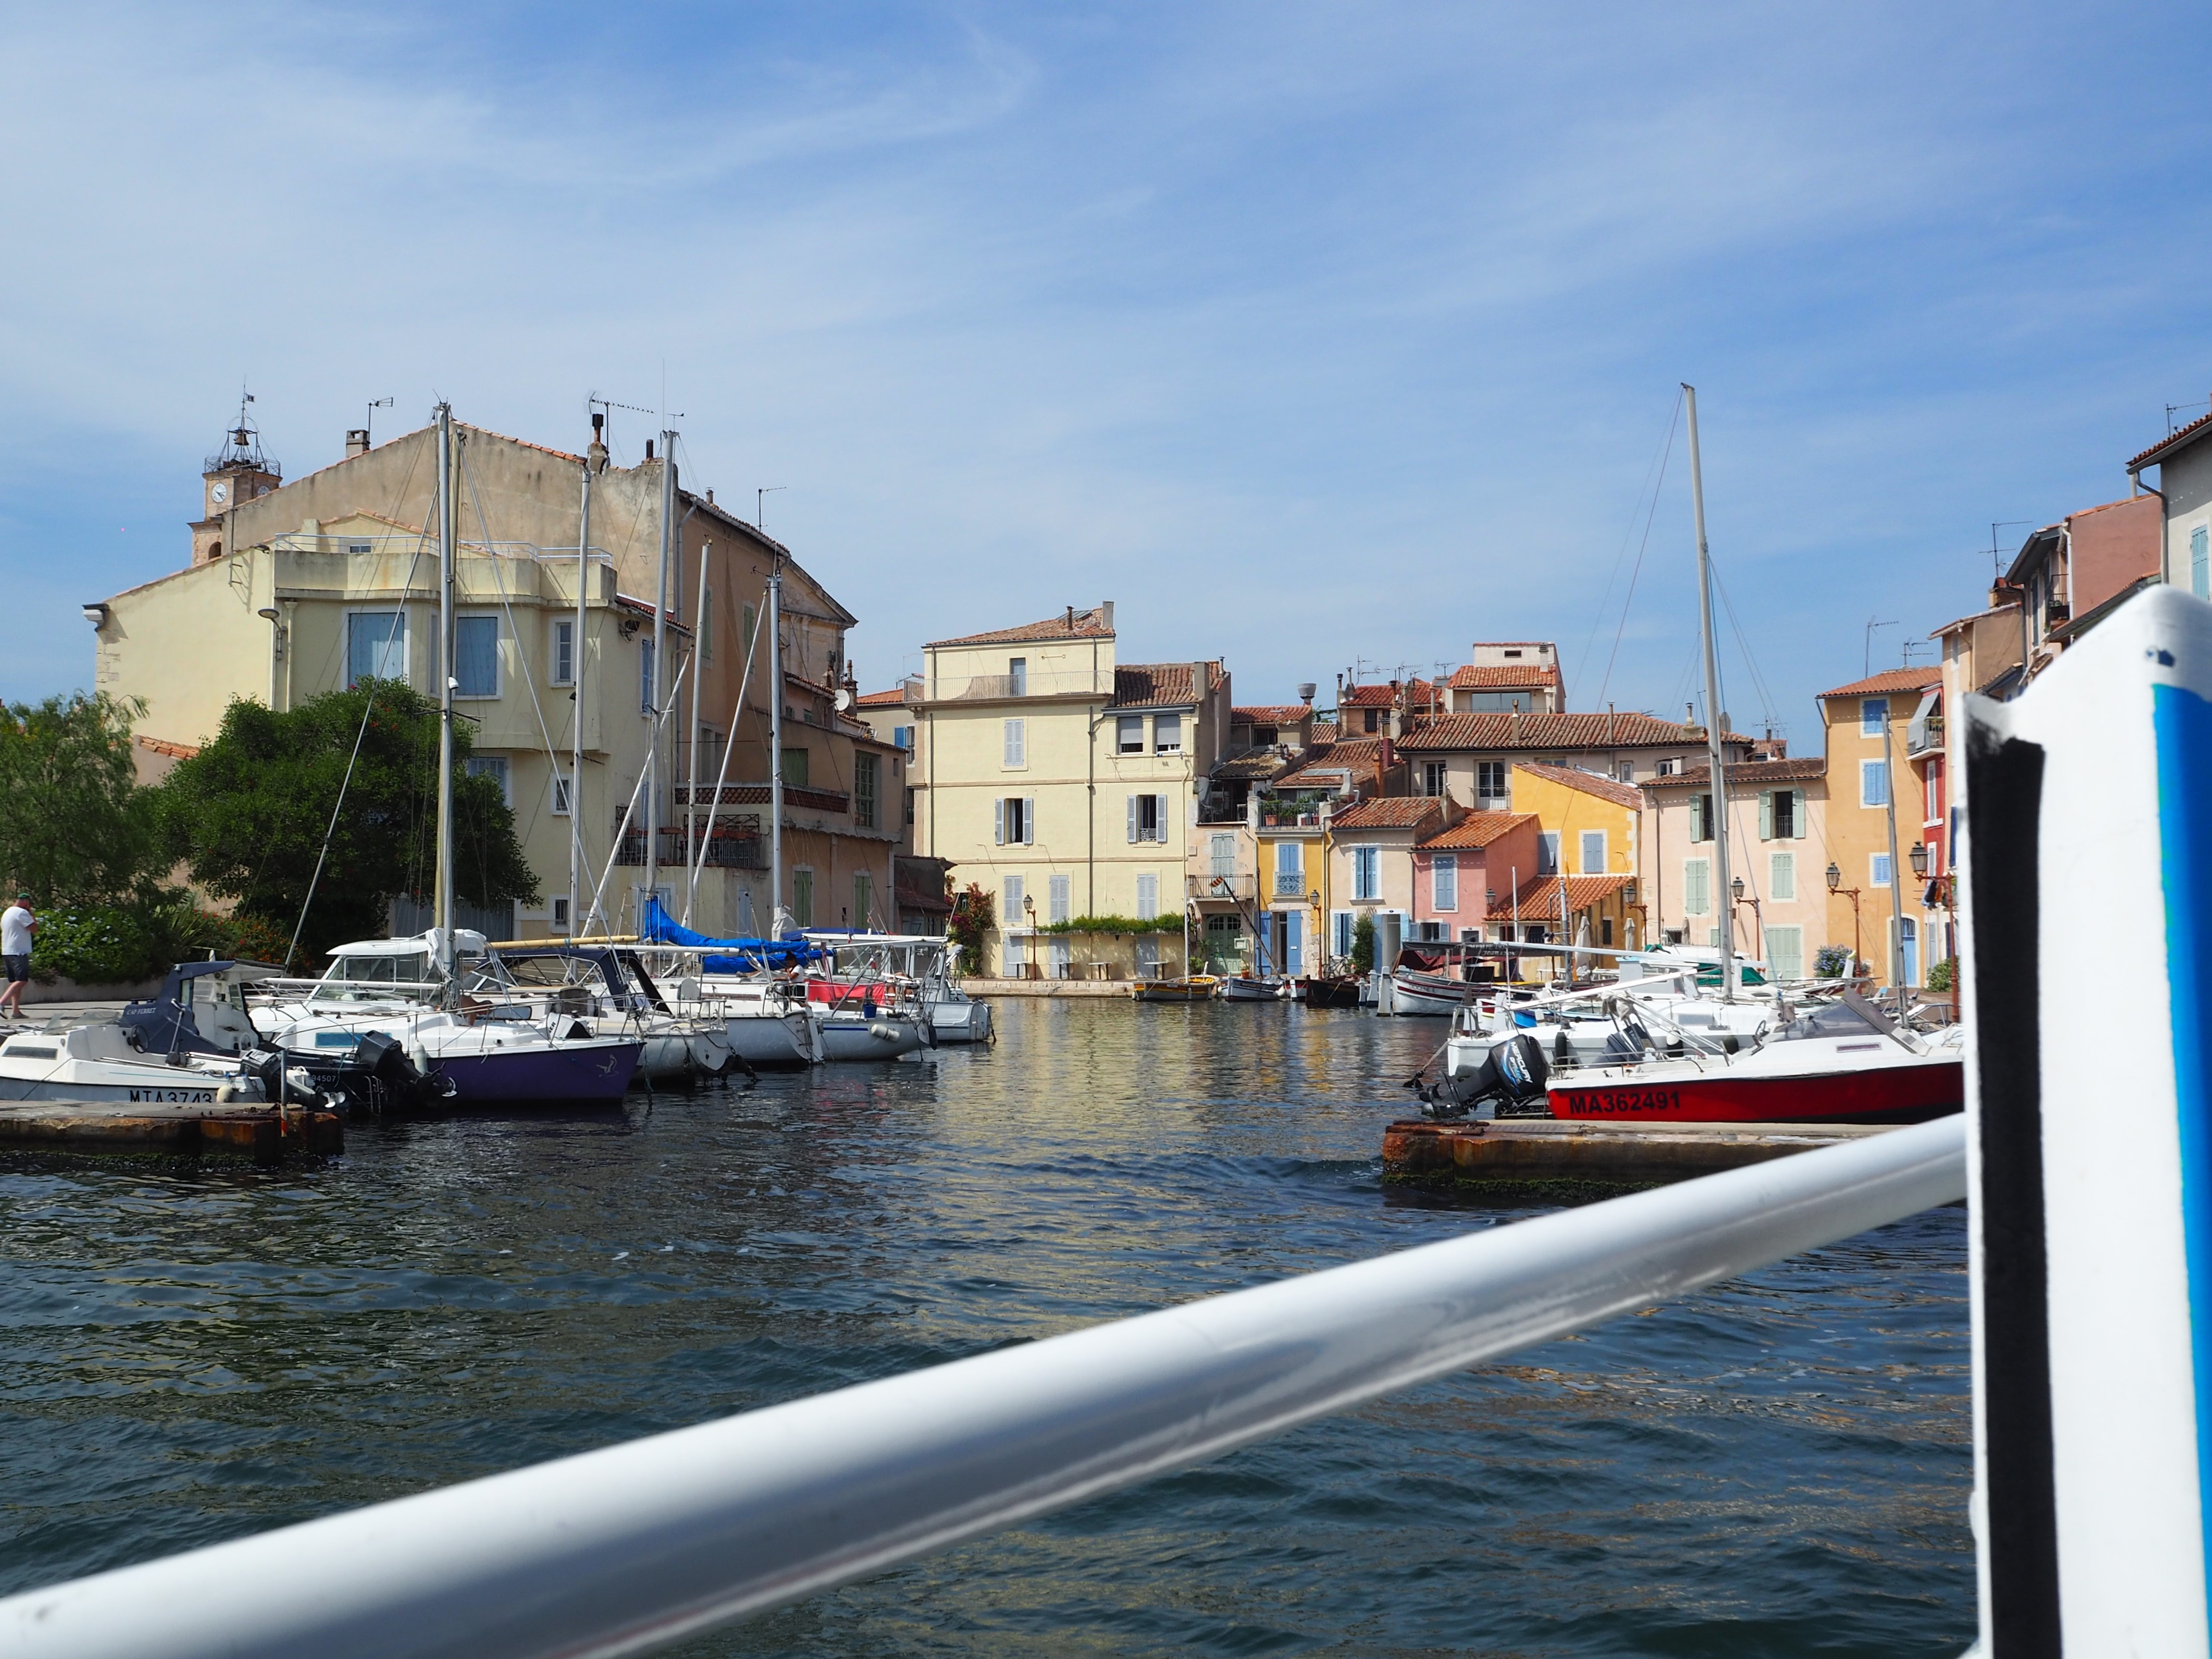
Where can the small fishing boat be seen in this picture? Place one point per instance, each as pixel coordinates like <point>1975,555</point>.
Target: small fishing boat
<point>1331,991</point>
<point>1250,988</point>
<point>1197,988</point>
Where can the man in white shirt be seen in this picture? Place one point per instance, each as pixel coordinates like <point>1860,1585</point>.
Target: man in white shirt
<point>17,924</point>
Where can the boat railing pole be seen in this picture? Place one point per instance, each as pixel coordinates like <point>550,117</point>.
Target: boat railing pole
<point>639,1547</point>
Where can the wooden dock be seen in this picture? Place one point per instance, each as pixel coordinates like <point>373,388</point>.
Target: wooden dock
<point>258,1134</point>
<point>1522,1156</point>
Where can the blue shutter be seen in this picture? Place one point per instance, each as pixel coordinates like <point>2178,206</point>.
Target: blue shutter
<point>2200,564</point>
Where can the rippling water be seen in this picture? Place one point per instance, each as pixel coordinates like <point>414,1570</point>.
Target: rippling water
<point>1779,1466</point>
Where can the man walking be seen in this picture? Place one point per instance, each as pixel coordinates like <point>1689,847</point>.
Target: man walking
<point>17,924</point>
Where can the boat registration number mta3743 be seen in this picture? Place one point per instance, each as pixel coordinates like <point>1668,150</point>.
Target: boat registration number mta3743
<point>174,1096</point>
<point>1599,1102</point>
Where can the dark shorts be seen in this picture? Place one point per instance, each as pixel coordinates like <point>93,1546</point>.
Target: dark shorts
<point>19,968</point>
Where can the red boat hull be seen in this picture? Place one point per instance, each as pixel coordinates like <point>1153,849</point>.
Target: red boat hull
<point>1887,1094</point>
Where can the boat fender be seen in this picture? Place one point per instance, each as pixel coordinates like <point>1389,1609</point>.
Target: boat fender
<point>1728,1044</point>
<point>883,1030</point>
<point>1563,1052</point>
<point>227,1094</point>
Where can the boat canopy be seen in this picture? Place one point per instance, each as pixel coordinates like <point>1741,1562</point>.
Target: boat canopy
<point>746,956</point>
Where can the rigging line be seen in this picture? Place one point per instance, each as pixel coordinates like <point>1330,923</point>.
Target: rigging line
<point>729,747</point>
<point>1628,600</point>
<point>529,679</point>
<point>1597,619</point>
<point>406,586</point>
<point>597,914</point>
<point>1758,679</point>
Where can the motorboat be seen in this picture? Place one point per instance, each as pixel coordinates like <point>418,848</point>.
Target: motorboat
<point>916,962</point>
<point>1249,988</point>
<point>1330,991</point>
<point>488,1053</point>
<point>1195,987</point>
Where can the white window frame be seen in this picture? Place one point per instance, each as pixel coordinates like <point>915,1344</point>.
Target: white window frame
<point>1018,677</point>
<point>1167,733</point>
<point>1501,772</point>
<point>498,656</point>
<point>1343,934</point>
<point>1014,752</point>
<point>1290,862</point>
<point>406,639</point>
<point>1127,726</point>
<point>1435,777</point>
<point>1604,852</point>
<point>1547,843</point>
<point>1869,770</point>
<point>555,628</point>
<point>1443,882</point>
<point>1138,809</point>
<point>556,794</point>
<point>1880,872</point>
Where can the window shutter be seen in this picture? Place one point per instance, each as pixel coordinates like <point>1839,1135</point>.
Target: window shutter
<point>1133,819</point>
<point>1797,814</point>
<point>1160,818</point>
<point>1028,820</point>
<point>999,823</point>
<point>1766,814</point>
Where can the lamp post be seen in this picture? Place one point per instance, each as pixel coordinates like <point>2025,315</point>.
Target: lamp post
<point>1758,917</point>
<point>1028,910</point>
<point>1835,879</point>
<point>1313,904</point>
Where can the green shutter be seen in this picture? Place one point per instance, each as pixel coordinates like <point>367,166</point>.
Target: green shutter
<point>1766,814</point>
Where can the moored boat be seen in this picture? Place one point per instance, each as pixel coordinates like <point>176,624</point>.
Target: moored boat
<point>1197,987</point>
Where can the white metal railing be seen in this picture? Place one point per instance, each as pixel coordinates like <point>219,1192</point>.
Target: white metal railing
<point>637,1546</point>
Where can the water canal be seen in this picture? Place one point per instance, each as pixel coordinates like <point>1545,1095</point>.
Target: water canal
<point>1779,1466</point>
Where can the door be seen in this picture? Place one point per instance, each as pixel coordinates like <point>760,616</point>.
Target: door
<point>1908,940</point>
<point>1293,942</point>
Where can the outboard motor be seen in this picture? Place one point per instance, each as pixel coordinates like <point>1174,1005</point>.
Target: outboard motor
<point>1511,1080</point>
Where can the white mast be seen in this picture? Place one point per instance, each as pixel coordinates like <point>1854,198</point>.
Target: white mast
<point>775,747</point>
<point>660,664</point>
<point>442,919</point>
<point>576,688</point>
<point>691,793</point>
<point>1718,828</point>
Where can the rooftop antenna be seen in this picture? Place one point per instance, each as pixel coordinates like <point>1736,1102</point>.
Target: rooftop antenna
<point>368,421</point>
<point>1867,667</point>
<point>1997,557</point>
<point>760,503</point>
<point>2171,409</point>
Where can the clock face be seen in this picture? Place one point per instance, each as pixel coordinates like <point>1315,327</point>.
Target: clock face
<point>220,492</point>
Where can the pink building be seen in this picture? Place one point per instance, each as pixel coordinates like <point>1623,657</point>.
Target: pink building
<point>1461,872</point>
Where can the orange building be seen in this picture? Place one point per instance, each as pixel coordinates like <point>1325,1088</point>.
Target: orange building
<point>1874,753</point>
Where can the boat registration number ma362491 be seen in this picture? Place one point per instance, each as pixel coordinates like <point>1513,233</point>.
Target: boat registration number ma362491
<point>174,1096</point>
<point>1598,1103</point>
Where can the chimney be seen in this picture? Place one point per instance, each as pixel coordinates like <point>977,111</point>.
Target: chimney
<point>1106,615</point>
<point>1306,693</point>
<point>648,449</point>
<point>596,456</point>
<point>1070,619</point>
<point>710,498</point>
<point>356,441</point>
<point>1390,759</point>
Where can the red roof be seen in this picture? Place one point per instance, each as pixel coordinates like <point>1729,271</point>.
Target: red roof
<point>1804,769</point>
<point>2173,441</point>
<point>894,698</point>
<point>1390,812</point>
<point>1385,696</point>
<point>1554,731</point>
<point>1540,898</point>
<point>1085,625</point>
<point>1476,829</point>
<point>1324,731</point>
<point>1276,714</point>
<point>1620,794</point>
<point>163,746</point>
<point>1890,679</point>
<point>1519,674</point>
<point>1361,757</point>
<point>1160,684</point>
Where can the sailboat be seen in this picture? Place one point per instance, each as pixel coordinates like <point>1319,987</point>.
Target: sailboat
<point>407,994</point>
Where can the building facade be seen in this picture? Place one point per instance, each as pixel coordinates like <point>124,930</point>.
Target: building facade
<point>1778,849</point>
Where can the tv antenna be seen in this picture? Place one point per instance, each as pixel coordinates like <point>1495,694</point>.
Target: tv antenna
<point>760,503</point>
<point>1867,667</point>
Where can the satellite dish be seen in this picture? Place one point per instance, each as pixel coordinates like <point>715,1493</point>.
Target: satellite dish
<point>844,699</point>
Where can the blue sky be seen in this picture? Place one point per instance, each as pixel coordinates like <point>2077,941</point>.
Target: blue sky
<point>1312,335</point>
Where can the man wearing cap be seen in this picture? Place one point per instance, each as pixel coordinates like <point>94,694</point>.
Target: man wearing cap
<point>17,924</point>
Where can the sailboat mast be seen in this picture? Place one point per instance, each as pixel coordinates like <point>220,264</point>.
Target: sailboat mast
<point>775,749</point>
<point>691,793</point>
<point>1716,769</point>
<point>443,918</point>
<point>576,691</point>
<point>660,663</point>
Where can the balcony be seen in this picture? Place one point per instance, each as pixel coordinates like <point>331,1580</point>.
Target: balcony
<point>724,850</point>
<point>1290,884</point>
<point>1000,688</point>
<point>1239,888</point>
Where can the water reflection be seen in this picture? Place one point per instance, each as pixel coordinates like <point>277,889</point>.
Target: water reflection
<point>1779,1464</point>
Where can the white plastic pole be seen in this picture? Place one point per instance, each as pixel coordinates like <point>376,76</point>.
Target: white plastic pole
<point>639,1547</point>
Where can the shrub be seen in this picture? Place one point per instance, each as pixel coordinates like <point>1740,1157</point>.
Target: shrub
<point>98,945</point>
<point>972,916</point>
<point>1831,961</point>
<point>1362,944</point>
<point>1942,975</point>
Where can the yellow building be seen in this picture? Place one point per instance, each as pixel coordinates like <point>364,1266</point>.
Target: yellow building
<point>295,589</point>
<point>1066,785</point>
<point>1587,825</point>
<point>1867,725</point>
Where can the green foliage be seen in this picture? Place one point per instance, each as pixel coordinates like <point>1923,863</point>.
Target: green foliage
<point>972,917</point>
<point>247,815</point>
<point>1114,925</point>
<point>1943,975</point>
<point>1362,944</point>
<point>97,945</point>
<point>74,826</point>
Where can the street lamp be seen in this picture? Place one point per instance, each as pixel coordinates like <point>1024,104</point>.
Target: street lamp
<point>1835,886</point>
<point>1918,858</point>
<point>1758,918</point>
<point>1028,910</point>
<point>1313,904</point>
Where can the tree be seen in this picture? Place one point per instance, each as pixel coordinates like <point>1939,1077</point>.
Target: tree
<point>972,922</point>
<point>73,827</point>
<point>1362,943</point>
<point>248,814</point>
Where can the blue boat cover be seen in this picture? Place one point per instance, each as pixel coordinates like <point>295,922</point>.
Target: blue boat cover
<point>746,956</point>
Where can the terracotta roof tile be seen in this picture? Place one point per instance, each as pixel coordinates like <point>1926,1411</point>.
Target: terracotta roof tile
<point>1540,898</point>
<point>163,746</point>
<point>1618,731</point>
<point>1390,812</point>
<point>1324,731</point>
<point>1087,625</point>
<point>1804,769</point>
<point>1275,714</point>
<point>1476,829</point>
<point>1620,794</point>
<point>1261,763</point>
<point>894,698</point>
<point>1518,674</point>
<point>2173,441</point>
<point>1890,679</point>
<point>1361,757</point>
<point>1159,684</point>
<point>1381,696</point>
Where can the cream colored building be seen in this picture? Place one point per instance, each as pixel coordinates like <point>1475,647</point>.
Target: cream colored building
<point>298,588</point>
<point>1779,846</point>
<point>1065,784</point>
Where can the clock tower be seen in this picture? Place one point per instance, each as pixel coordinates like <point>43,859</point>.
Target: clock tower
<point>237,473</point>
